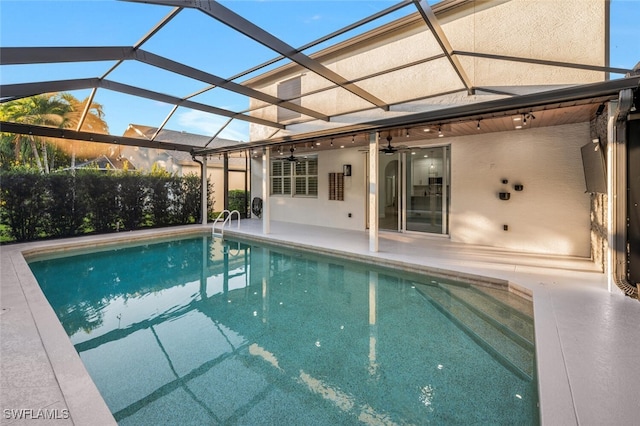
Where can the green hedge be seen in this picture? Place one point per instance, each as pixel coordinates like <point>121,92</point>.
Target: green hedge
<point>239,200</point>
<point>35,206</point>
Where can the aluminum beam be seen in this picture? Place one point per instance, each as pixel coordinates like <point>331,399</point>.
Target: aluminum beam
<point>173,100</point>
<point>50,55</point>
<point>164,21</point>
<point>187,71</point>
<point>54,132</point>
<point>249,29</point>
<point>46,55</point>
<point>602,89</point>
<point>543,62</point>
<point>23,90</point>
<point>13,91</point>
<point>438,33</point>
<point>87,107</point>
<point>328,37</point>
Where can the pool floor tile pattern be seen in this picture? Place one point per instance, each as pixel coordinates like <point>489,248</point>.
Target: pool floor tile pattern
<point>587,339</point>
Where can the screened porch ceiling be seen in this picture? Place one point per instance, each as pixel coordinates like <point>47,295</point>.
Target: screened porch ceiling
<point>237,44</point>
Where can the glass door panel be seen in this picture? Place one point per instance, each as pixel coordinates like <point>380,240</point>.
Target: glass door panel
<point>427,189</point>
<point>389,192</point>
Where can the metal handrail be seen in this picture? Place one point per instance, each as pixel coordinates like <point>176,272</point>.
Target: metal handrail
<point>226,219</point>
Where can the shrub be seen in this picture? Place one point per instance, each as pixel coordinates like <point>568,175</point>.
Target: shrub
<point>64,204</point>
<point>23,201</point>
<point>239,200</point>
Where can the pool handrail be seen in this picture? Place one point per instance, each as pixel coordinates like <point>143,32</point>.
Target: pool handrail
<point>228,218</point>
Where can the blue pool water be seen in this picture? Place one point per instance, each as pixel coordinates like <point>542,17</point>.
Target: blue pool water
<point>201,331</point>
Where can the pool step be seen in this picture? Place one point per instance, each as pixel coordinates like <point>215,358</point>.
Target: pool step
<point>518,303</point>
<point>518,325</point>
<point>466,308</point>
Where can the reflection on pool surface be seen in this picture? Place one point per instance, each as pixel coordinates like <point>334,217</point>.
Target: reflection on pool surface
<point>201,331</point>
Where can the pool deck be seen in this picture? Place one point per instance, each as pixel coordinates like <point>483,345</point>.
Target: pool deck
<point>587,339</point>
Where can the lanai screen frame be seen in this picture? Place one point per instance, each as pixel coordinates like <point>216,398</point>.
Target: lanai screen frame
<point>424,12</point>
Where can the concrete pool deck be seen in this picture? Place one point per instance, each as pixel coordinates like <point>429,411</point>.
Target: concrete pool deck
<point>587,339</point>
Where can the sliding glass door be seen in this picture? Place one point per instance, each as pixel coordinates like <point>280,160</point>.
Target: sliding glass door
<point>414,190</point>
<point>427,190</point>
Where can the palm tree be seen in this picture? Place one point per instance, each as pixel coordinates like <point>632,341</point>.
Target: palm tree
<point>42,110</point>
<point>93,120</point>
<point>53,110</point>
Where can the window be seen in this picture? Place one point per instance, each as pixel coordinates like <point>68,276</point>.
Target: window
<point>298,178</point>
<point>289,90</point>
<point>280,177</point>
<point>306,176</point>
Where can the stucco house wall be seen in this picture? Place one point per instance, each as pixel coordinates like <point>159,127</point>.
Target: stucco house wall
<point>517,28</point>
<point>550,215</point>
<point>322,211</point>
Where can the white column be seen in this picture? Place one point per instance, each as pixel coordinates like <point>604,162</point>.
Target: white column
<point>205,195</point>
<point>373,192</point>
<point>266,171</point>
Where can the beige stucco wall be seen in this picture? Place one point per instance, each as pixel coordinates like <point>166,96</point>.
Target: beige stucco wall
<point>569,31</point>
<point>322,211</point>
<point>551,214</point>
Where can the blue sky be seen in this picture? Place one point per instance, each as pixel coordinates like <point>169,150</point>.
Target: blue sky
<point>199,41</point>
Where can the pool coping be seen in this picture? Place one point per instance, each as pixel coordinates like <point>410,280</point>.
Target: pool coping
<point>557,405</point>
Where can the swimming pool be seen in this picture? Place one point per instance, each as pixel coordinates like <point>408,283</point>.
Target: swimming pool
<point>201,331</point>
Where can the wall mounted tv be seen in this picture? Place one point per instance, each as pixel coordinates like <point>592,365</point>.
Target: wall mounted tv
<point>595,169</point>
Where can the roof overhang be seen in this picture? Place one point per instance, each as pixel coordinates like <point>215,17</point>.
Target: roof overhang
<point>589,93</point>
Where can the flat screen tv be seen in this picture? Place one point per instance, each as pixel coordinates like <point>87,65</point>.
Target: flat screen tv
<point>595,169</point>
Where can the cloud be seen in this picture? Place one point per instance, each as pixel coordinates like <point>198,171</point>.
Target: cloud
<point>200,122</point>
<point>313,18</point>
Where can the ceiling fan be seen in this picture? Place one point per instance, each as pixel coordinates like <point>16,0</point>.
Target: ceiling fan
<point>390,150</point>
<point>291,157</point>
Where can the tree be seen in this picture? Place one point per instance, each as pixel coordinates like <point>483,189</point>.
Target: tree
<point>93,119</point>
<point>53,110</point>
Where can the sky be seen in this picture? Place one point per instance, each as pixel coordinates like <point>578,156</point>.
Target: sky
<point>199,41</point>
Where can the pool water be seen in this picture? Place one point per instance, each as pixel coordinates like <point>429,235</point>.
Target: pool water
<point>205,331</point>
